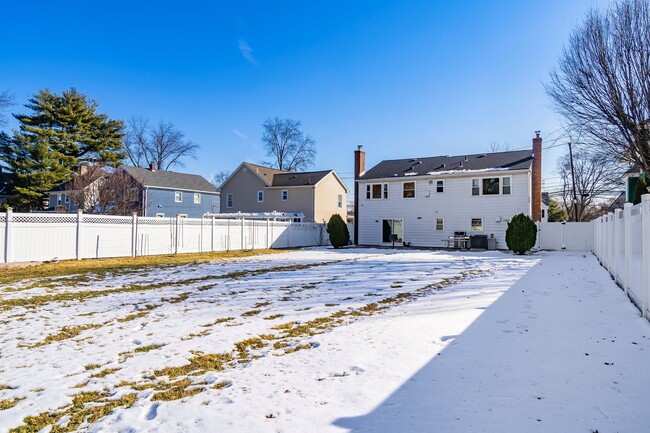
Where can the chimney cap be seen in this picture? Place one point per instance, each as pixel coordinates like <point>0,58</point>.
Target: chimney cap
<point>360,147</point>
<point>152,166</point>
<point>537,134</point>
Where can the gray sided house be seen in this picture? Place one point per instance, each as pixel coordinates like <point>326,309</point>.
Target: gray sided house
<point>167,193</point>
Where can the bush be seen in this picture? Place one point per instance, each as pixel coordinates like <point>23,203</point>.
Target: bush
<point>338,231</point>
<point>641,188</point>
<point>521,234</point>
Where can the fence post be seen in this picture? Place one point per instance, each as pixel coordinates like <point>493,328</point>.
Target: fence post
<point>8,234</point>
<point>78,245</point>
<point>610,218</point>
<point>134,235</point>
<point>617,244</point>
<point>627,230</point>
<point>212,235</point>
<point>242,233</point>
<point>267,234</point>
<point>645,242</point>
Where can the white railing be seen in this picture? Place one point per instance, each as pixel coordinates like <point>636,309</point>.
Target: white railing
<point>41,237</point>
<point>622,244</point>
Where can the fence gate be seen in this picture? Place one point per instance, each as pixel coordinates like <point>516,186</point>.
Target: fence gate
<point>566,236</point>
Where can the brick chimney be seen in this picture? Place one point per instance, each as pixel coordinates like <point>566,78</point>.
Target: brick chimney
<point>152,166</point>
<point>83,169</point>
<point>359,169</point>
<point>536,190</point>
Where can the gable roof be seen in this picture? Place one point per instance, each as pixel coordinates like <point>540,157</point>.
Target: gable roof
<point>299,179</point>
<point>169,179</point>
<point>265,173</point>
<point>86,179</point>
<point>512,160</point>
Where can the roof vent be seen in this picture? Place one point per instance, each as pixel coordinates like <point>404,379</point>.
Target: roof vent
<point>467,158</point>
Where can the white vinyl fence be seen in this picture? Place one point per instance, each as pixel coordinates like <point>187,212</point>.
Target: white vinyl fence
<point>566,236</point>
<point>41,237</point>
<point>622,244</point>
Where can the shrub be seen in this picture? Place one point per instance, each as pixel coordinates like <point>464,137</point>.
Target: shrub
<point>641,188</point>
<point>521,234</point>
<point>338,231</point>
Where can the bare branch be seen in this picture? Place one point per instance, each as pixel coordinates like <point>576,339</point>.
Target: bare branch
<point>290,149</point>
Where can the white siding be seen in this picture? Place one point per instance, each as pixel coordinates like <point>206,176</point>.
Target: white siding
<point>456,205</point>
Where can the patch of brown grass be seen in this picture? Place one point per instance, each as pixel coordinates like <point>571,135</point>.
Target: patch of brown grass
<point>66,333</point>
<point>9,403</point>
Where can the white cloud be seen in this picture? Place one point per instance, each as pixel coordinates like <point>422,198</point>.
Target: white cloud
<point>246,51</point>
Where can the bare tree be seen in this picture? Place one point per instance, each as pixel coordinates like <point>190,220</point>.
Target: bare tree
<point>602,84</point>
<point>496,146</point>
<point>84,188</point>
<point>596,178</point>
<point>290,149</point>
<point>6,100</point>
<point>163,145</point>
<point>219,178</point>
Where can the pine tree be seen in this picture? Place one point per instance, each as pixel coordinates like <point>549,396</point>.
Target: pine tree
<point>555,212</point>
<point>338,231</point>
<point>62,133</point>
<point>641,188</point>
<point>521,234</point>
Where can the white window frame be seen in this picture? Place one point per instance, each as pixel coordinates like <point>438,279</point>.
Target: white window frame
<point>229,200</point>
<point>503,186</point>
<point>471,224</point>
<point>260,196</point>
<point>383,191</point>
<point>197,198</point>
<point>404,191</point>
<point>284,195</point>
<point>490,178</point>
<point>178,197</point>
<point>59,197</point>
<point>340,201</point>
<point>67,198</point>
<point>443,186</point>
<point>477,186</point>
<point>442,224</point>
<point>160,215</point>
<point>181,215</point>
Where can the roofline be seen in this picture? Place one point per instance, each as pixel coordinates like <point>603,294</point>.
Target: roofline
<point>337,178</point>
<point>179,189</point>
<point>292,186</point>
<point>459,174</point>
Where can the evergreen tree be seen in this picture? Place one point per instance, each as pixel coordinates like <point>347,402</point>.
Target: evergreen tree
<point>555,212</point>
<point>641,188</point>
<point>338,231</point>
<point>62,133</point>
<point>521,234</point>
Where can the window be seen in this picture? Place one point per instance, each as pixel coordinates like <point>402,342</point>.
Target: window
<point>377,191</point>
<point>506,185</point>
<point>67,199</point>
<point>543,213</point>
<point>440,186</point>
<point>340,201</point>
<point>475,187</point>
<point>181,215</point>
<point>491,186</point>
<point>477,224</point>
<point>58,200</point>
<point>260,196</point>
<point>178,196</point>
<point>160,215</point>
<point>284,195</point>
<point>197,198</point>
<point>408,189</point>
<point>440,224</point>
<point>229,200</point>
<point>390,227</point>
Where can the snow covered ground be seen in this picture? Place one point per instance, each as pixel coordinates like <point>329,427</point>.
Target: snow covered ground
<point>318,340</point>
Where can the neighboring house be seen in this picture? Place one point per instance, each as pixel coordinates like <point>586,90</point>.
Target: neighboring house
<point>424,201</point>
<point>255,188</point>
<point>5,187</point>
<point>631,178</point>
<point>78,193</point>
<point>168,194</point>
<point>545,204</point>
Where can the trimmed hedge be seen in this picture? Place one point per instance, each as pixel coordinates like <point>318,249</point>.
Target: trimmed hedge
<point>521,234</point>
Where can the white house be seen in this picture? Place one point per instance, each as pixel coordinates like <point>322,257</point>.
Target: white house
<point>424,201</point>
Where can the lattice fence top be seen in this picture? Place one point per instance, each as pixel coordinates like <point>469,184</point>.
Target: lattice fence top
<point>150,221</point>
<point>3,218</point>
<point>106,219</point>
<point>44,219</point>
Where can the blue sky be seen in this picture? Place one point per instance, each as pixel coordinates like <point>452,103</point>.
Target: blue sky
<point>417,78</point>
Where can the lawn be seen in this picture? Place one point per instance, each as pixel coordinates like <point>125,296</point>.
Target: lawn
<point>325,340</point>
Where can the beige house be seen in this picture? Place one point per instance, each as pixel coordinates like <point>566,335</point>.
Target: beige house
<point>255,188</point>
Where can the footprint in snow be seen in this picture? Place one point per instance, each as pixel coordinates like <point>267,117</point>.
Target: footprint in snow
<point>153,412</point>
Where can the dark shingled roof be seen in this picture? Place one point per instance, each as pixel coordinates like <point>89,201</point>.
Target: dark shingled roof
<point>299,179</point>
<point>169,179</point>
<point>513,160</point>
